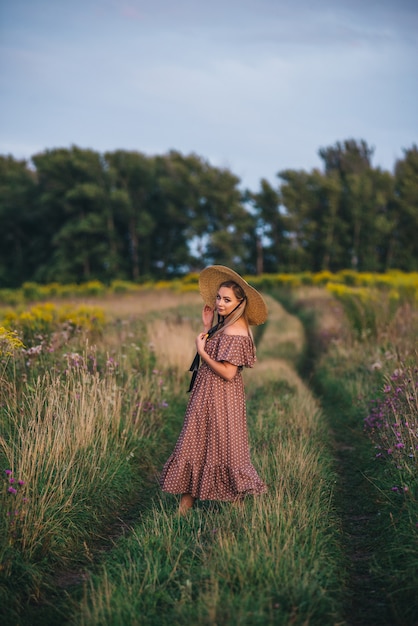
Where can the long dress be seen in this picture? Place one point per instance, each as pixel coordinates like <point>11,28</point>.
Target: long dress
<point>211,459</point>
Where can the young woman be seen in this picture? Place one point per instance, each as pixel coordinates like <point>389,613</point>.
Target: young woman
<point>211,459</point>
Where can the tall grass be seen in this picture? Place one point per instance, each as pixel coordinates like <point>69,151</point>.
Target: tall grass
<point>67,444</point>
<point>76,453</point>
<point>85,429</point>
<point>172,341</point>
<point>77,428</point>
<point>275,560</point>
<point>369,382</point>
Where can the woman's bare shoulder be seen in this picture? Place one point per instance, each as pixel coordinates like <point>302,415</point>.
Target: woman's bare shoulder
<point>237,329</point>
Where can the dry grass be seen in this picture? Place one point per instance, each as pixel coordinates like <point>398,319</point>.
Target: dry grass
<point>284,333</point>
<point>138,305</point>
<point>329,312</point>
<point>271,370</point>
<point>68,427</point>
<point>68,433</point>
<point>173,342</point>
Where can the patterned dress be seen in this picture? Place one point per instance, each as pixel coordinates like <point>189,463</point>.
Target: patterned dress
<point>211,459</point>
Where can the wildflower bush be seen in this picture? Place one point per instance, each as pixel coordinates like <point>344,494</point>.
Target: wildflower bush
<point>403,283</point>
<point>10,345</point>
<point>43,321</point>
<point>14,505</point>
<point>370,311</point>
<point>35,292</point>
<point>123,286</point>
<point>9,342</point>
<point>392,423</point>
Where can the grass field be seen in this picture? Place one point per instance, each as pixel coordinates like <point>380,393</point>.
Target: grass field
<point>90,411</point>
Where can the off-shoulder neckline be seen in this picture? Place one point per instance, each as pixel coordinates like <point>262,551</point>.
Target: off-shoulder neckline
<point>231,335</point>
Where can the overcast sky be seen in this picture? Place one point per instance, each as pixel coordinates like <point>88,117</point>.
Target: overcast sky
<point>254,85</point>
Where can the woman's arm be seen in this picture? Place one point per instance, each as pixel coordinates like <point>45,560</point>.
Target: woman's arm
<point>207,317</point>
<point>223,368</point>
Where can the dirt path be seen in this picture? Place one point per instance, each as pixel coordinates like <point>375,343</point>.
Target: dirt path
<point>284,346</point>
<point>367,603</point>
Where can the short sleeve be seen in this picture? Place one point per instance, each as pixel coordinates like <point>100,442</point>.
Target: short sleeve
<point>235,349</point>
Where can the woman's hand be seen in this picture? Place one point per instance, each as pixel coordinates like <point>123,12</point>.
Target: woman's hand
<point>200,342</point>
<point>223,368</point>
<point>207,316</point>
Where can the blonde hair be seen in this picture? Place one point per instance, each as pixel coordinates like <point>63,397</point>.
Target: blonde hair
<point>240,295</point>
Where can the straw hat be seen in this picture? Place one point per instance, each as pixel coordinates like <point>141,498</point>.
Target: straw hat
<point>211,277</point>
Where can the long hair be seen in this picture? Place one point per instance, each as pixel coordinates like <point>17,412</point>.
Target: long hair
<point>239,293</point>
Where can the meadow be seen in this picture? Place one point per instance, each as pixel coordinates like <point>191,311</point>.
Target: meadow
<point>93,392</point>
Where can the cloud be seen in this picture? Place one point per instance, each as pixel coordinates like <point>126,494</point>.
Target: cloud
<point>259,85</point>
<point>131,12</point>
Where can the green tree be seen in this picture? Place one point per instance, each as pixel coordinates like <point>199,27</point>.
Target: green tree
<point>406,203</point>
<point>200,215</point>
<point>226,226</point>
<point>370,200</point>
<point>311,201</point>
<point>330,192</point>
<point>78,215</point>
<point>365,213</point>
<point>133,184</point>
<point>17,191</point>
<point>176,200</point>
<point>272,242</point>
<point>350,161</point>
<point>76,242</point>
<point>349,157</point>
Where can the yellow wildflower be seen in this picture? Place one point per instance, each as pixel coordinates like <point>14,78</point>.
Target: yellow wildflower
<point>9,342</point>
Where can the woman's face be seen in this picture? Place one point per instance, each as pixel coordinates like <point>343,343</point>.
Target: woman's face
<point>226,301</point>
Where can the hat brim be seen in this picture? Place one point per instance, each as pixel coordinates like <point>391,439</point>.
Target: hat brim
<point>213,276</point>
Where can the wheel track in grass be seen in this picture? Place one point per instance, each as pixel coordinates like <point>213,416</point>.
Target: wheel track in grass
<point>367,601</point>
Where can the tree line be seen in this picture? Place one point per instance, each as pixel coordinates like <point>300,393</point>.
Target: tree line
<point>72,215</point>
